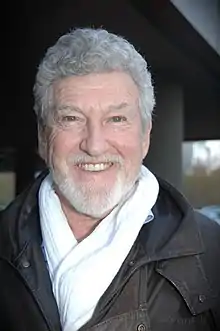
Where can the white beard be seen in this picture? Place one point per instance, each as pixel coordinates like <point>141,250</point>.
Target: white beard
<point>87,199</point>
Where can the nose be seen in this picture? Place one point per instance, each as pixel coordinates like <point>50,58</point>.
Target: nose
<point>94,141</point>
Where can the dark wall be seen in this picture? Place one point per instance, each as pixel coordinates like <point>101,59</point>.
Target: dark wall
<point>202,113</point>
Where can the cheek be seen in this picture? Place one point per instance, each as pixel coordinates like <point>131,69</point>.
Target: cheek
<point>61,143</point>
<point>131,153</point>
<point>130,146</point>
<point>58,149</point>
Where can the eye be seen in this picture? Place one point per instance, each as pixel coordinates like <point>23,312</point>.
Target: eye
<point>69,118</point>
<point>118,119</point>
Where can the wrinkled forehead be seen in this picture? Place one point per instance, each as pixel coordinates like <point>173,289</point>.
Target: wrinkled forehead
<point>95,90</point>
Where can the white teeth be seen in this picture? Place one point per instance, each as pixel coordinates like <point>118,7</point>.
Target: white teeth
<point>94,167</point>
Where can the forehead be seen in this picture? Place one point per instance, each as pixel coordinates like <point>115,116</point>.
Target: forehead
<point>95,89</point>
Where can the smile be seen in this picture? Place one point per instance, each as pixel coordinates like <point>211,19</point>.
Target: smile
<point>94,167</point>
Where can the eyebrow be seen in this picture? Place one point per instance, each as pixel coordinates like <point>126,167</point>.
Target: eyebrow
<point>69,108</point>
<point>77,109</point>
<point>63,108</point>
<point>119,106</point>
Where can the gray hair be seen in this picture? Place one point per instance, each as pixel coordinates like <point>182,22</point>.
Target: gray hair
<point>85,51</point>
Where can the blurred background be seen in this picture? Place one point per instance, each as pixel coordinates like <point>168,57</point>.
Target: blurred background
<point>180,40</point>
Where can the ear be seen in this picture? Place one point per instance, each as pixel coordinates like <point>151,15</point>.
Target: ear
<point>146,139</point>
<point>42,141</point>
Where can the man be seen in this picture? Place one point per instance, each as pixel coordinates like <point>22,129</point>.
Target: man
<point>99,243</point>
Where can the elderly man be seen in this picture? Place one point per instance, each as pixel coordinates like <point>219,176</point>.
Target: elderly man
<point>98,242</point>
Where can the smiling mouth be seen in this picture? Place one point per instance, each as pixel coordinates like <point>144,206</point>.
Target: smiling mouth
<point>94,167</point>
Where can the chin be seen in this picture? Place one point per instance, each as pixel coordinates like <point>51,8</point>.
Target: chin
<point>93,203</point>
<point>87,200</point>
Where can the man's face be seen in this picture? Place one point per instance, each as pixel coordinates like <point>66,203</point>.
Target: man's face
<point>96,145</point>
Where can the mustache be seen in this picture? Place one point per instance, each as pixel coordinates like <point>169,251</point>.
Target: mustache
<point>108,158</point>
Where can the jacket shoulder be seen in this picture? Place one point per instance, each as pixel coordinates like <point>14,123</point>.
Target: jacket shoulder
<point>209,231</point>
<point>14,218</point>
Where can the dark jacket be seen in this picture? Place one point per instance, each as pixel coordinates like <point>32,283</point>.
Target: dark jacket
<point>170,281</point>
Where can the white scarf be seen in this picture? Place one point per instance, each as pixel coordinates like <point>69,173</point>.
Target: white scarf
<point>81,272</point>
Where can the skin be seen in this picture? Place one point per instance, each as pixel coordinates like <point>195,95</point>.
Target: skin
<point>96,115</point>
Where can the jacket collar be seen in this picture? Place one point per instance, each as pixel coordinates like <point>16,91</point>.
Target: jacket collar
<point>20,224</point>
<point>174,232</point>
